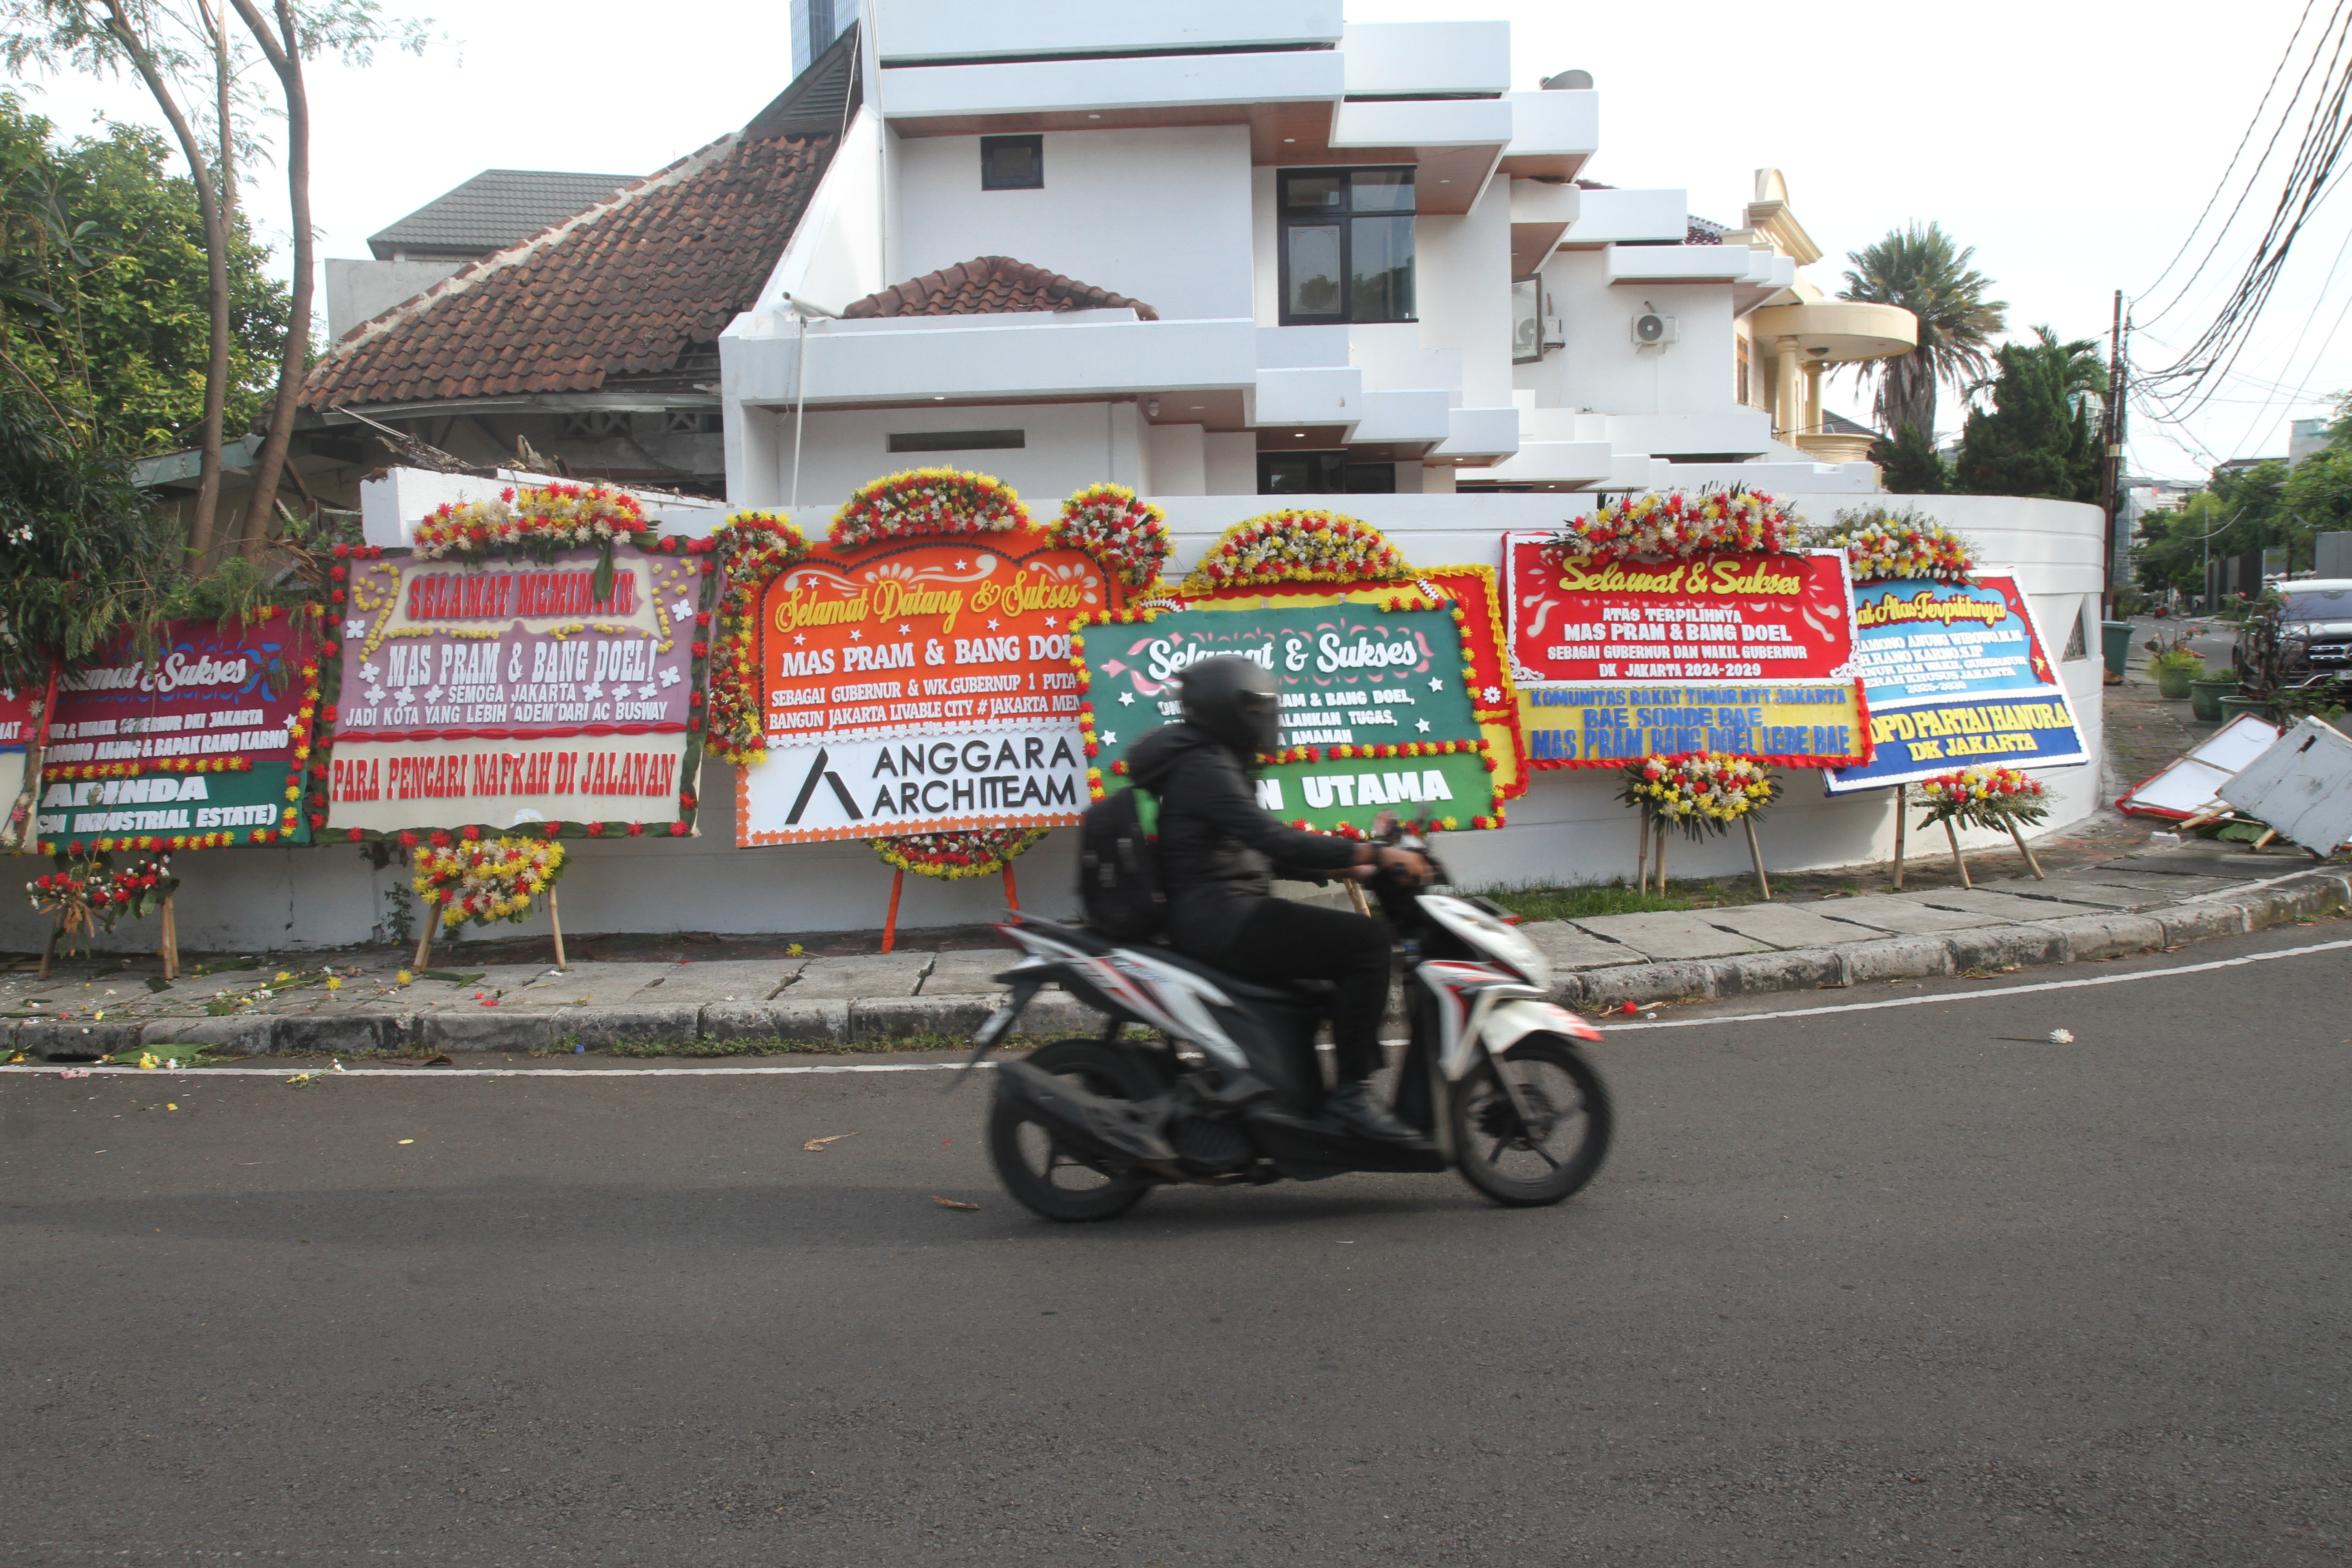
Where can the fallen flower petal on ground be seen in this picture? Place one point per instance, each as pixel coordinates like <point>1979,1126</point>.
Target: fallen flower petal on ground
<point>950,1203</point>
<point>818,1144</point>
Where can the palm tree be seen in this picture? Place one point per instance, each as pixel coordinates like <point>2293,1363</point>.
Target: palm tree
<point>1922,270</point>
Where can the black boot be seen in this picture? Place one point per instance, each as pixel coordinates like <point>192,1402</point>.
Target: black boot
<point>1352,1108</point>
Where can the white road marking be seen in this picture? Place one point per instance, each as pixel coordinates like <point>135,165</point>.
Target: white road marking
<point>1981,996</point>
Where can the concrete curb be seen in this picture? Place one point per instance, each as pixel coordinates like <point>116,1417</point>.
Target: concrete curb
<point>2066,939</point>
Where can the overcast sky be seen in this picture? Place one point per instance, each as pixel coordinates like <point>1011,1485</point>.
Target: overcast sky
<point>2071,143</point>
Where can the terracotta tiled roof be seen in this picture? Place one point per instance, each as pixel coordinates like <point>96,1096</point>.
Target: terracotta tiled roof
<point>628,286</point>
<point>990,286</point>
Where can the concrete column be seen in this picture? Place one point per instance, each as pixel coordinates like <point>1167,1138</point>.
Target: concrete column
<point>1812,424</point>
<point>1787,398</point>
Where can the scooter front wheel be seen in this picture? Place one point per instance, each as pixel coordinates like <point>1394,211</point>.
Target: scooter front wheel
<point>1564,1141</point>
<point>1045,1176</point>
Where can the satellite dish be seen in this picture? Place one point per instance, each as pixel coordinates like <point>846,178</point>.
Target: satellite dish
<point>1569,82</point>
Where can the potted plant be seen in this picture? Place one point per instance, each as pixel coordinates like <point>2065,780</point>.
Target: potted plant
<point>2205,697</point>
<point>2174,668</point>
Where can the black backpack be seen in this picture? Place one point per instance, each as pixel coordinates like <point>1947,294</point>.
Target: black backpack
<point>1119,871</point>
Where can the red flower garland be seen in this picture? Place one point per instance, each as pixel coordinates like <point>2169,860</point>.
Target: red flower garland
<point>927,501</point>
<point>1677,525</point>
<point>755,548</point>
<point>972,852</point>
<point>1126,535</point>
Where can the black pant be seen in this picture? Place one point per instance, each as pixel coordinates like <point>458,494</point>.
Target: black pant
<point>1282,940</point>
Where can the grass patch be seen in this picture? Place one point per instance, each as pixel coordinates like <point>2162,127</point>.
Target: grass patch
<point>1583,900</point>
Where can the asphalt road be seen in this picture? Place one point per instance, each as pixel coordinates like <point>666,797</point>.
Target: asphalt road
<point>1878,1286</point>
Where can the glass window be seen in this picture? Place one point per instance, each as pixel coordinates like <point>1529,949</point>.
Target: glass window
<point>1312,193</point>
<point>1312,260</point>
<point>1347,245</point>
<point>1324,473</point>
<point>1012,163</point>
<point>1380,191</point>
<point>1380,269</point>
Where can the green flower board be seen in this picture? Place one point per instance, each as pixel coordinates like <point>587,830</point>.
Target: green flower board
<point>1376,712</point>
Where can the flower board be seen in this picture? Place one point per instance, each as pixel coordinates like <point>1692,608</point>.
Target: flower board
<point>535,691</point>
<point>918,684</point>
<point>1956,670</point>
<point>1781,615</point>
<point>1376,712</point>
<point>201,741</point>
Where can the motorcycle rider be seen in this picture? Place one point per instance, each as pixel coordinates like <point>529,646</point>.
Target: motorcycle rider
<point>1220,850</point>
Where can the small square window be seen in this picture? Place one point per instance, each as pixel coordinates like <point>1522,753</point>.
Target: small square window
<point>1013,162</point>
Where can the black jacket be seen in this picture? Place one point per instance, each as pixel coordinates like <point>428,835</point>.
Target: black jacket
<point>1219,849</point>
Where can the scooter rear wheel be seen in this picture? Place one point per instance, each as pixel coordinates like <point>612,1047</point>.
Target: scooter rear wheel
<point>1529,1167</point>
<point>1048,1178</point>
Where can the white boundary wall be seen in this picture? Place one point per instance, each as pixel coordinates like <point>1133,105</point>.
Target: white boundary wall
<point>1567,828</point>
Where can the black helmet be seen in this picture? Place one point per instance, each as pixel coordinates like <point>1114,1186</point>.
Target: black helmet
<point>1232,700</point>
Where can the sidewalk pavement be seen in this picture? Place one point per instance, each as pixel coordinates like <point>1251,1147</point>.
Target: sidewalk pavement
<point>2155,898</point>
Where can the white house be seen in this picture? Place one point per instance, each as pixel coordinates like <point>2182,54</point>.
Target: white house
<point>1349,259</point>
<point>1217,250</point>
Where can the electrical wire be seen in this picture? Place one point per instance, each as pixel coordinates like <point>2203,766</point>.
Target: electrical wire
<point>2223,183</point>
<point>2179,389</point>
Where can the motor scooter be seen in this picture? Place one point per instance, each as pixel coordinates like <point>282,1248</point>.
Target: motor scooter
<point>1228,1087</point>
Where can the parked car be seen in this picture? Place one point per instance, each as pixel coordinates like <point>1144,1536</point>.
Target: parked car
<point>2308,638</point>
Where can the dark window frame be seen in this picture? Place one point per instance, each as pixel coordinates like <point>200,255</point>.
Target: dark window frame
<point>1343,217</point>
<point>1340,473</point>
<point>958,440</point>
<point>1037,180</point>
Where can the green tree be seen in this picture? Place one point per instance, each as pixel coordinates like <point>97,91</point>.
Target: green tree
<point>2040,438</point>
<point>1922,270</point>
<point>1909,465</point>
<point>113,247</point>
<point>78,544</point>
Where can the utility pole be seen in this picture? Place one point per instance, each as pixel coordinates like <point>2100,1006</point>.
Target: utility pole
<point>2111,471</point>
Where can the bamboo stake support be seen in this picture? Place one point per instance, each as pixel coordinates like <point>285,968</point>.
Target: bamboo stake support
<point>2027,850</point>
<point>1661,856</point>
<point>890,922</point>
<point>1902,822</point>
<point>47,948</point>
<point>2268,834</point>
<point>1356,897</point>
<point>555,920</point>
<point>1012,891</point>
<point>169,947</point>
<point>1756,854</point>
<point>424,937</point>
<point>1642,855</point>
<point>1957,858</point>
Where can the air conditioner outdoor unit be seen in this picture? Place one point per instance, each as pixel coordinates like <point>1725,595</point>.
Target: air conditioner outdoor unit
<point>1555,333</point>
<point>1652,330</point>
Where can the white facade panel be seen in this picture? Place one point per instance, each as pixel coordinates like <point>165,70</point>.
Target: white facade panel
<point>1427,57</point>
<point>1434,122</point>
<point>1465,294</point>
<point>968,357</point>
<point>1556,125</point>
<point>1679,263</point>
<point>1609,218</point>
<point>1069,87</point>
<point>957,30</point>
<point>1308,397</point>
<point>1162,217</point>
